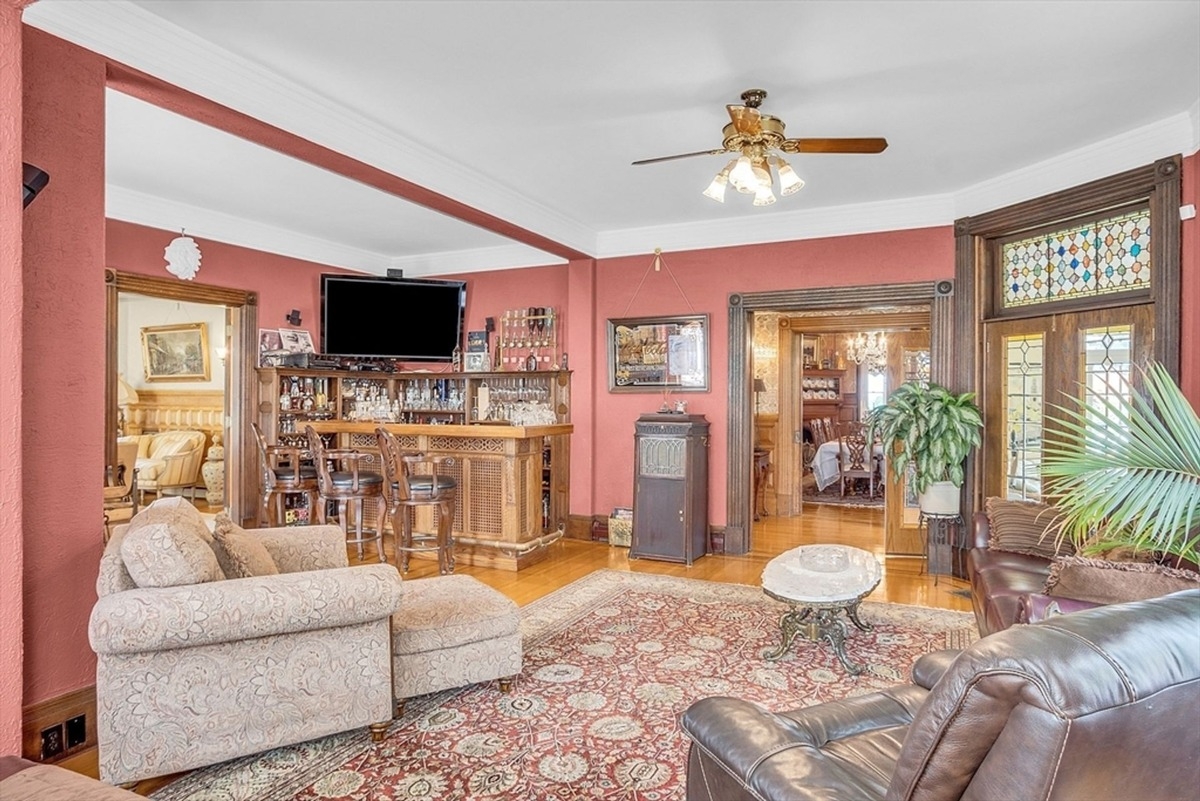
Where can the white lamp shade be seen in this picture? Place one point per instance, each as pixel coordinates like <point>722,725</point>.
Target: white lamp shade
<point>763,196</point>
<point>716,190</point>
<point>126,395</point>
<point>789,182</point>
<point>742,176</point>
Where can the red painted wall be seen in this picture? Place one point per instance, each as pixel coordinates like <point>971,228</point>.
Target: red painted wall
<point>490,294</point>
<point>62,456</point>
<point>708,277</point>
<point>1190,335</point>
<point>11,283</point>
<point>282,283</point>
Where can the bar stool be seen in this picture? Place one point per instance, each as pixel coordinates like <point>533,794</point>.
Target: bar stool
<point>346,485</point>
<point>284,474</point>
<point>408,487</point>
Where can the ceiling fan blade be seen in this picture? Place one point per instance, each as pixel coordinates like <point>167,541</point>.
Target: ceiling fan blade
<point>865,145</point>
<point>746,121</point>
<point>682,156</point>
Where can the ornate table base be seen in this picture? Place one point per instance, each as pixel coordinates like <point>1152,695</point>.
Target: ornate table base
<point>819,622</point>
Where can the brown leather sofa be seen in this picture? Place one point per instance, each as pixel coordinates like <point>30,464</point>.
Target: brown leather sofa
<point>1006,587</point>
<point>1085,707</point>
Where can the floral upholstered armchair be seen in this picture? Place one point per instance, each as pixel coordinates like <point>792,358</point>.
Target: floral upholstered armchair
<point>215,646</point>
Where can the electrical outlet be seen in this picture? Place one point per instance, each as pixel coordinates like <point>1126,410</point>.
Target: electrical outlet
<point>76,731</point>
<point>52,741</point>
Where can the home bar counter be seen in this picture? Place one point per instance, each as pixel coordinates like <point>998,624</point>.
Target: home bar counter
<point>513,483</point>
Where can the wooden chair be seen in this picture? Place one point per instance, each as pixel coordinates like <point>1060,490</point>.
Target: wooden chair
<point>412,481</point>
<point>856,460</point>
<point>341,479</point>
<point>120,487</point>
<point>284,473</point>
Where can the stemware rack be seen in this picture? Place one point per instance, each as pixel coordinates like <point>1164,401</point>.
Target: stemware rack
<point>528,339</point>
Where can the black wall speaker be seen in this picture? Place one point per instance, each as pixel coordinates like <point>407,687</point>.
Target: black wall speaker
<point>943,289</point>
<point>394,273</point>
<point>33,181</point>
<point>489,324</point>
<point>293,317</point>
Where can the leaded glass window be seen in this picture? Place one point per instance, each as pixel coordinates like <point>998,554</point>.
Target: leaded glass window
<point>1024,374</point>
<point>1095,258</point>
<point>1107,364</point>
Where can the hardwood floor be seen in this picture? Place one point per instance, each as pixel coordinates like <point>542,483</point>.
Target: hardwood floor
<point>904,581</point>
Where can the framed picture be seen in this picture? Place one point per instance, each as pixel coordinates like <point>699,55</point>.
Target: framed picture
<point>650,354</point>
<point>176,352</point>
<point>296,340</point>
<point>477,362</point>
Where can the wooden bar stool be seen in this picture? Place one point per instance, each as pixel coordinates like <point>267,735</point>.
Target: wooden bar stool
<point>283,473</point>
<point>347,483</point>
<point>407,487</point>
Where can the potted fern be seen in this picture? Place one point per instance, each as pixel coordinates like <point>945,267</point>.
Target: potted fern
<point>933,429</point>
<point>1124,469</point>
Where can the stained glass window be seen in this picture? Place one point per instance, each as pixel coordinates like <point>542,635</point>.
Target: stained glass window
<point>1107,364</point>
<point>1023,374</point>
<point>1096,258</point>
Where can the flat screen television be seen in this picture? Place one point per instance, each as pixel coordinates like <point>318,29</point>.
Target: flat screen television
<point>391,318</point>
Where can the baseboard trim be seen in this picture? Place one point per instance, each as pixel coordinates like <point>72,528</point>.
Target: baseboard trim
<point>58,710</point>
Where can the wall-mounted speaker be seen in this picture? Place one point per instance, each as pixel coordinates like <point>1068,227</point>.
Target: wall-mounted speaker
<point>33,181</point>
<point>489,324</point>
<point>293,317</point>
<point>394,273</point>
<point>943,289</point>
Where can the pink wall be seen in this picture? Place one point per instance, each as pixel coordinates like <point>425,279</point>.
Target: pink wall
<point>1190,336</point>
<point>282,283</point>
<point>490,294</point>
<point>11,509</point>
<point>708,277</point>
<point>62,456</point>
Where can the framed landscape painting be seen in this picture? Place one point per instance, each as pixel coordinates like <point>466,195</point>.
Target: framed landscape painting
<point>650,354</point>
<point>176,352</point>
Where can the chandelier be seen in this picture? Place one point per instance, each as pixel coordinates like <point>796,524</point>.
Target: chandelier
<point>869,349</point>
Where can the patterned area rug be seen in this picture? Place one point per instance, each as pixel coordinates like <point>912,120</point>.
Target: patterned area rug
<point>610,663</point>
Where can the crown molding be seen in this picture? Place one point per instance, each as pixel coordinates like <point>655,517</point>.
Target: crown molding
<point>861,218</point>
<point>172,215</point>
<point>129,34</point>
<point>1126,151</point>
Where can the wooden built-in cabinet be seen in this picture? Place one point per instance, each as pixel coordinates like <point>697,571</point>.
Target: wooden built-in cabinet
<point>822,394</point>
<point>514,480</point>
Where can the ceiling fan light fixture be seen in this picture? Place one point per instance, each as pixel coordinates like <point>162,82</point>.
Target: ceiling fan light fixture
<point>742,176</point>
<point>763,196</point>
<point>762,174</point>
<point>789,182</point>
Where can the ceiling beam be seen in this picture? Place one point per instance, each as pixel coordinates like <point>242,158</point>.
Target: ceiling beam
<point>193,106</point>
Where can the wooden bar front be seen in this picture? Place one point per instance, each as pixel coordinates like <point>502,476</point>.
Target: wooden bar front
<point>513,483</point>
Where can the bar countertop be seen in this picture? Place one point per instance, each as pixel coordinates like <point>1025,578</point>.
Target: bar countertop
<point>482,430</point>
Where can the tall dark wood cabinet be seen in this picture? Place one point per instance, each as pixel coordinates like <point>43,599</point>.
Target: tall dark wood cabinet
<point>670,498</point>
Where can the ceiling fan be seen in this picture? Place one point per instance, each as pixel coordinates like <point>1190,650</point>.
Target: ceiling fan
<point>756,137</point>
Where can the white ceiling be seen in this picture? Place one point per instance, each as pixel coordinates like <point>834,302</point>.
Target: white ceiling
<point>533,111</point>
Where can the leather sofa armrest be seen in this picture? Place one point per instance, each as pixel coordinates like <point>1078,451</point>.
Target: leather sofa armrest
<point>982,530</point>
<point>1036,607</point>
<point>929,668</point>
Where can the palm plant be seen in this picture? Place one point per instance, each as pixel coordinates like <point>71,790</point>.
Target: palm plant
<point>935,428</point>
<point>1125,469</point>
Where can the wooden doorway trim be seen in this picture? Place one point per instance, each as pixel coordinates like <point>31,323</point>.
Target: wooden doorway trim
<point>239,382</point>
<point>938,295</point>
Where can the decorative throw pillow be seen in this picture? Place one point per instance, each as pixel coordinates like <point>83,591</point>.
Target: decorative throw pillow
<point>1104,582</point>
<point>1024,527</point>
<point>167,545</point>
<point>240,554</point>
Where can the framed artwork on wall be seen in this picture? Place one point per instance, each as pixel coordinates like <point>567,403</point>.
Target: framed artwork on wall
<point>650,354</point>
<point>176,352</point>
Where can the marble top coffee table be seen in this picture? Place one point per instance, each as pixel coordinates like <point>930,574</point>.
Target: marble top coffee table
<point>818,582</point>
